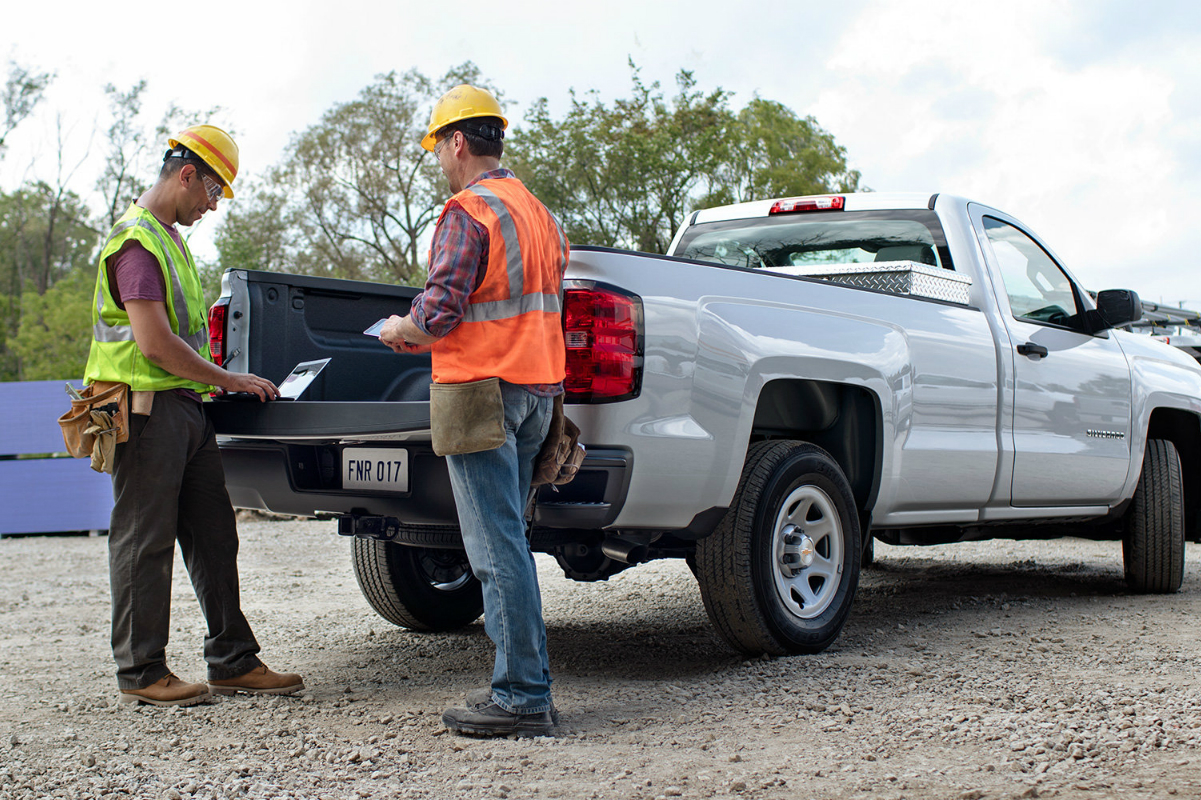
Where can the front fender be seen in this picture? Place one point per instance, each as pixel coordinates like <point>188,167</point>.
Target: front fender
<point>1163,378</point>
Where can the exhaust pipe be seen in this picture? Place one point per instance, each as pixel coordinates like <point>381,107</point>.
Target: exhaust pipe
<point>624,551</point>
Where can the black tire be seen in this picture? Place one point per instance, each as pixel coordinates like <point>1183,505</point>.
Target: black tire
<point>1153,544</point>
<point>793,503</point>
<point>425,589</point>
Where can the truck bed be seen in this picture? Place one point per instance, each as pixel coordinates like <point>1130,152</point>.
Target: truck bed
<point>302,318</point>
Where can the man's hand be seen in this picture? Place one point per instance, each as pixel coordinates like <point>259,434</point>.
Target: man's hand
<point>407,347</point>
<point>248,382</point>
<point>402,336</point>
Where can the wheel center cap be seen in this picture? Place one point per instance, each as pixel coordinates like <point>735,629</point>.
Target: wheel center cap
<point>806,551</point>
<point>799,550</point>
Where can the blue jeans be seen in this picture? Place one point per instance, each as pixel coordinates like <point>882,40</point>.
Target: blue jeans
<point>491,489</point>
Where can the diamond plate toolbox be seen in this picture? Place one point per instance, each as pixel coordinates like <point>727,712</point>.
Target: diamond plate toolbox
<point>895,277</point>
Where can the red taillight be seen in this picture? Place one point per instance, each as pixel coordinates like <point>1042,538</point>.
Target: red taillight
<point>796,204</point>
<point>602,328</point>
<point>217,330</point>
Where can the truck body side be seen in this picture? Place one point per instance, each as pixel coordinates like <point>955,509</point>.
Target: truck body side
<point>950,419</point>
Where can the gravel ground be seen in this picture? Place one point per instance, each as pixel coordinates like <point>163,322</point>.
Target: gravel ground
<point>984,670</point>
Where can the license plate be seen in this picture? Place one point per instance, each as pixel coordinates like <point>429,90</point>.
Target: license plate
<point>380,469</point>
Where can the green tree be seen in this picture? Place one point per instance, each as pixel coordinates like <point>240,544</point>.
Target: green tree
<point>23,90</point>
<point>121,180</point>
<point>355,194</point>
<point>52,341</point>
<point>775,153</point>
<point>57,235</point>
<point>254,234</point>
<point>624,175</point>
<point>44,237</point>
<point>627,174</point>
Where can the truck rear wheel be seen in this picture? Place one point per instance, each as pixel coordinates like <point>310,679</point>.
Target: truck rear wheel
<point>1153,544</point>
<point>422,588</point>
<point>780,572</point>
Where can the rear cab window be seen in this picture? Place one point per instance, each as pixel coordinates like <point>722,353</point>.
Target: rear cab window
<point>819,239</point>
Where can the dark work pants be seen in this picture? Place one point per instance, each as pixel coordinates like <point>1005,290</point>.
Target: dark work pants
<point>169,486</point>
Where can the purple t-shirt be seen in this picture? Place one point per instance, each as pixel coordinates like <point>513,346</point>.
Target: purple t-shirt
<point>134,274</point>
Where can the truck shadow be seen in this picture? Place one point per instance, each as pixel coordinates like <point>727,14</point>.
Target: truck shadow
<point>626,657</point>
<point>940,580</point>
<point>898,596</point>
<point>675,634</point>
<point>895,597</point>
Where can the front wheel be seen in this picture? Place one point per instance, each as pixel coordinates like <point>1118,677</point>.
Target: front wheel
<point>1153,544</point>
<point>423,588</point>
<point>780,572</point>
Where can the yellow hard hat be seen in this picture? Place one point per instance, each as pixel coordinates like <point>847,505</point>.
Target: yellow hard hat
<point>462,102</point>
<point>215,147</point>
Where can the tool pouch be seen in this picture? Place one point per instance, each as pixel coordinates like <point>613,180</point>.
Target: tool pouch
<point>466,417</point>
<point>562,454</point>
<point>101,411</point>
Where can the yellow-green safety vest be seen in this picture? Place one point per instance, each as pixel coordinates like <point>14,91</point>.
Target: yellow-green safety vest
<point>114,355</point>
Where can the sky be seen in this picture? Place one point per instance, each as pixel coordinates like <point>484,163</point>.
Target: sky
<point>1081,118</point>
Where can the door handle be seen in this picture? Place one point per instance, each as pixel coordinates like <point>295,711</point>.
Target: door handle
<point>1032,349</point>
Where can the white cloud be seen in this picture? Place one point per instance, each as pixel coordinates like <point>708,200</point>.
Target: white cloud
<point>961,100</point>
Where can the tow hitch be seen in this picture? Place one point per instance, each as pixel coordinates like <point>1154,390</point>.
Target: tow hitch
<point>382,528</point>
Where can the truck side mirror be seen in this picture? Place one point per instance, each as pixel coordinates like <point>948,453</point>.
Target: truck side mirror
<point>1119,307</point>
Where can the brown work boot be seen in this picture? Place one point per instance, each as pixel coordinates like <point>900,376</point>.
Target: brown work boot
<point>168,691</point>
<point>259,680</point>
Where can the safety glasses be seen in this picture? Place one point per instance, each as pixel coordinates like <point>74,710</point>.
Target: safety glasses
<point>215,190</point>
<point>441,144</point>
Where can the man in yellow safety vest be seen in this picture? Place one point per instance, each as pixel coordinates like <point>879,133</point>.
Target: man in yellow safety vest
<point>149,332</point>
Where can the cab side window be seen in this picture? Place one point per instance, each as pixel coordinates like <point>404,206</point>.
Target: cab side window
<point>1038,290</point>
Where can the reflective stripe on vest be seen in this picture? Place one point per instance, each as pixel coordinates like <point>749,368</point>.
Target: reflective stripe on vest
<point>512,323</point>
<point>519,302</point>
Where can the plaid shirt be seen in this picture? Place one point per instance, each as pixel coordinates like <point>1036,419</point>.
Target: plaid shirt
<point>458,262</point>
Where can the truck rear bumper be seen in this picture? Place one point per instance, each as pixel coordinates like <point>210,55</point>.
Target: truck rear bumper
<point>305,480</point>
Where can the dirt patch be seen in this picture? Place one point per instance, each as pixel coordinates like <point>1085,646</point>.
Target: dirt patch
<point>984,670</point>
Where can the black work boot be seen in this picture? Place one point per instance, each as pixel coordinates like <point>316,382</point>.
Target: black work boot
<point>492,720</point>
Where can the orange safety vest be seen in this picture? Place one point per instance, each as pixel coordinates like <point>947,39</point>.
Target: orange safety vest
<point>512,327</point>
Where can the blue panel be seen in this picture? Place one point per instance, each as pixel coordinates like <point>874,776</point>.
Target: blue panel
<point>46,495</point>
<point>30,411</point>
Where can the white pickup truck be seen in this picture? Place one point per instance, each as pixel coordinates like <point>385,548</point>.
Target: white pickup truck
<point>794,379</point>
